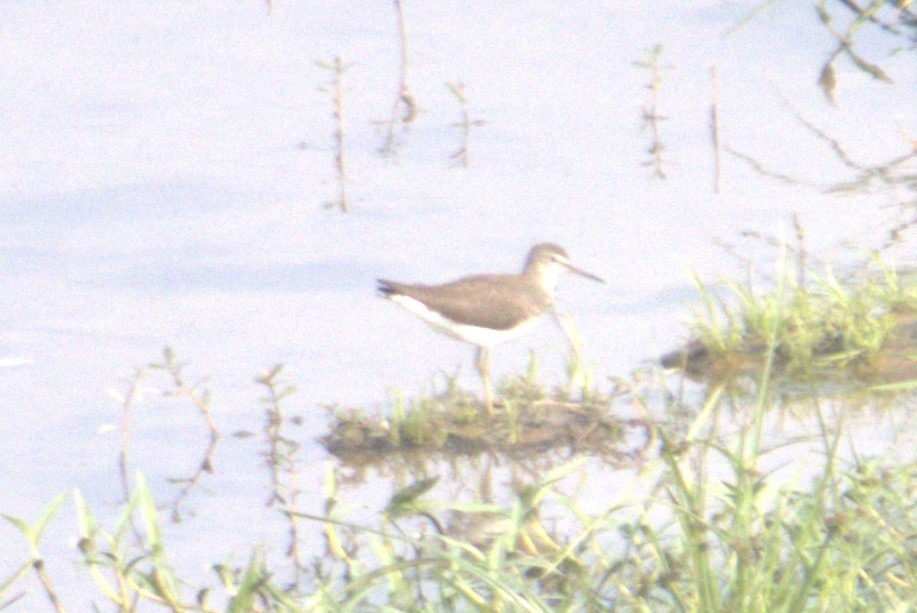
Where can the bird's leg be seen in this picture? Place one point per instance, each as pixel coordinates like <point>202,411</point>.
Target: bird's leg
<point>484,370</point>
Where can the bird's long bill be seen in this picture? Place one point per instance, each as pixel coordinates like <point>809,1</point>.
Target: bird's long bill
<point>588,275</point>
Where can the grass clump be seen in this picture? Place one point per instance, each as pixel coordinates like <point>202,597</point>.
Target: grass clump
<point>816,327</point>
<point>433,424</point>
<point>717,512</point>
<point>705,528</point>
<point>722,515</point>
<point>716,520</point>
<point>529,417</point>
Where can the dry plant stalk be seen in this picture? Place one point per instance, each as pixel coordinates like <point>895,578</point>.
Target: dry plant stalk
<point>715,127</point>
<point>202,400</point>
<point>827,79</point>
<point>127,404</point>
<point>404,107</point>
<point>133,395</point>
<point>651,116</point>
<point>336,89</point>
<point>464,124</point>
<point>280,457</point>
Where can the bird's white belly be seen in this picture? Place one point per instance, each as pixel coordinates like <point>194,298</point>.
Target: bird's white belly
<point>476,335</point>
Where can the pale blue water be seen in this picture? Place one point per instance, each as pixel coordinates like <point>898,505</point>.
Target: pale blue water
<point>154,192</point>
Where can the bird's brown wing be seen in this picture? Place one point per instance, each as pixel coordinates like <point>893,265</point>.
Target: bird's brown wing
<point>499,302</point>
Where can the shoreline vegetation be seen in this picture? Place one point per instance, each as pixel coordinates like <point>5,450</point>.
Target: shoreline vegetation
<point>703,526</point>
<point>864,331</point>
<point>810,332</point>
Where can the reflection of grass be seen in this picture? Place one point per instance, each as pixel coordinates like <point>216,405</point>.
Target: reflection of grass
<point>827,80</point>
<point>888,17</point>
<point>703,526</point>
<point>706,523</point>
<point>136,387</point>
<point>814,326</point>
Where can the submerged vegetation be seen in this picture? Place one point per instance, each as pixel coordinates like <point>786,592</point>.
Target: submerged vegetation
<point>715,519</point>
<point>719,511</point>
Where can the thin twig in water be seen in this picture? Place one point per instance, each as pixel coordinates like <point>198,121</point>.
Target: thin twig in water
<point>464,124</point>
<point>281,461</point>
<point>715,127</point>
<point>827,79</point>
<point>201,400</point>
<point>760,169</point>
<point>800,252</point>
<point>818,132</point>
<point>866,176</point>
<point>128,400</point>
<point>336,89</point>
<point>651,116</point>
<point>404,107</point>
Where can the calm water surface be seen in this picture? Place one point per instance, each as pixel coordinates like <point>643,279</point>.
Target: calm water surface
<point>165,168</point>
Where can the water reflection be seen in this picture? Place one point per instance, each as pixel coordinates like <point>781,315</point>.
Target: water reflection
<point>732,458</point>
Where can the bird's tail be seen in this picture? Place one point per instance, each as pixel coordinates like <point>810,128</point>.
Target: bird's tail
<point>387,289</point>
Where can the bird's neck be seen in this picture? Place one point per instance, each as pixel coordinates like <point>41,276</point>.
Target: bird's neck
<point>545,277</point>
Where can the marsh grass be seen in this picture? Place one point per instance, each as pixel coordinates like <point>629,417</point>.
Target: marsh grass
<point>721,512</point>
<point>126,570</point>
<point>717,520</point>
<point>816,325</point>
<point>451,420</point>
<point>705,527</point>
<point>719,517</point>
